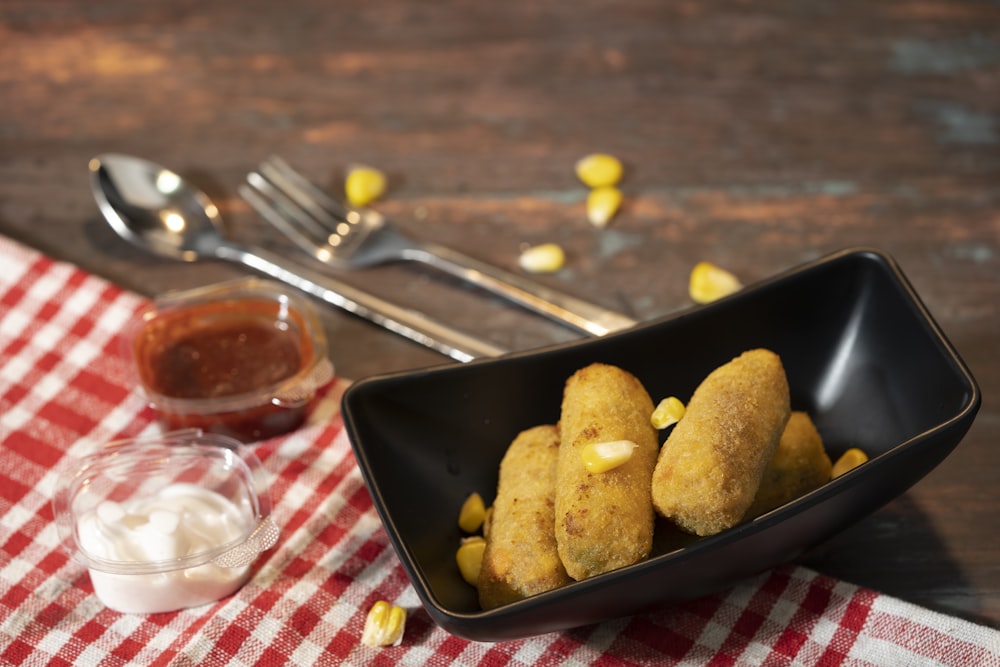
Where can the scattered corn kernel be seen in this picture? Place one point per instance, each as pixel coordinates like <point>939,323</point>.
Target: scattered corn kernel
<point>849,460</point>
<point>599,169</point>
<point>544,258</point>
<point>601,457</point>
<point>668,412</point>
<point>384,625</point>
<point>469,558</point>
<point>472,514</point>
<point>709,282</point>
<point>602,204</point>
<point>364,185</point>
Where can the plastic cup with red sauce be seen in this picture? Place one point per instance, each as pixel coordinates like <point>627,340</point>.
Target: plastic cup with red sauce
<point>243,358</point>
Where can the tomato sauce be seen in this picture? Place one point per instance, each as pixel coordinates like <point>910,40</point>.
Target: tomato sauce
<point>224,360</point>
<point>217,365</point>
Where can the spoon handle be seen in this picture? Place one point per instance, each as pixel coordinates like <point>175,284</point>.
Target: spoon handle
<point>407,323</point>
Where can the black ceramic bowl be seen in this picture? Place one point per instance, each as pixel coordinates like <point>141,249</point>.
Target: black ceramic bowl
<point>863,357</point>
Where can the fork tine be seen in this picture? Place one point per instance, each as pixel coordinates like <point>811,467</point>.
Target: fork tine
<point>293,204</point>
<point>281,212</point>
<point>312,198</point>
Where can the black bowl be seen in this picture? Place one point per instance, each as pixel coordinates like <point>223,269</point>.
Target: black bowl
<point>863,357</point>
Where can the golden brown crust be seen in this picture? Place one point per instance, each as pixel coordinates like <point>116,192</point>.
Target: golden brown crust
<point>604,521</point>
<point>521,559</point>
<point>711,465</point>
<point>799,465</point>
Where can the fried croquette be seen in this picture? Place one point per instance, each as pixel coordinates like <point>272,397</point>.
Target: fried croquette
<point>800,464</point>
<point>604,521</point>
<point>711,465</point>
<point>521,559</point>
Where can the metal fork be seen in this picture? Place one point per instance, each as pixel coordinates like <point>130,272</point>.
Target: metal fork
<point>346,238</point>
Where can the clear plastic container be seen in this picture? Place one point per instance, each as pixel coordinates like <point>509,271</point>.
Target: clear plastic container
<point>242,358</point>
<point>167,522</point>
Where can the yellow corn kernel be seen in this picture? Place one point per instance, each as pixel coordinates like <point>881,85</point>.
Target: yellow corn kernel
<point>472,514</point>
<point>364,185</point>
<point>602,204</point>
<point>709,282</point>
<point>849,460</point>
<point>599,169</point>
<point>384,625</point>
<point>544,258</point>
<point>469,558</point>
<point>601,457</point>
<point>668,412</point>
<point>487,522</point>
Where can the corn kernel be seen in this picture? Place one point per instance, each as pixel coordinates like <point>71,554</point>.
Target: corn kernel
<point>487,522</point>
<point>544,258</point>
<point>601,457</point>
<point>709,282</point>
<point>384,625</point>
<point>668,412</point>
<point>472,514</point>
<point>849,460</point>
<point>602,204</point>
<point>469,558</point>
<point>364,185</point>
<point>599,169</point>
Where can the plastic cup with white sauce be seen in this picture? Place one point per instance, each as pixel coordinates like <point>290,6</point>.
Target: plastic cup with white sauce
<point>166,522</point>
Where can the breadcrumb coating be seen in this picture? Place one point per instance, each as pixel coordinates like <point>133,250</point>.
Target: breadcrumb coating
<point>521,559</point>
<point>710,468</point>
<point>799,465</point>
<point>604,521</point>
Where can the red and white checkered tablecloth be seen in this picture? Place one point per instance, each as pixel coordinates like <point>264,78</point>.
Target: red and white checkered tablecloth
<point>64,385</point>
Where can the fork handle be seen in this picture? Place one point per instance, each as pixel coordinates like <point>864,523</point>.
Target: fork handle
<point>577,313</point>
<point>408,323</point>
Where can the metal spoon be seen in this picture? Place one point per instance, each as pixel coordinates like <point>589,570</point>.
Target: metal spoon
<point>155,209</point>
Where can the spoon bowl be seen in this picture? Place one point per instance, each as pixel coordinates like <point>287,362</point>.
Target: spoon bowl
<point>155,209</point>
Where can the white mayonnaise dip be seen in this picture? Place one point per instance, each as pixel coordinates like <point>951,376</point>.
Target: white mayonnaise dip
<point>179,521</point>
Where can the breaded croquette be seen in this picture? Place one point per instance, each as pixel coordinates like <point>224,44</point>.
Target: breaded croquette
<point>521,559</point>
<point>711,465</point>
<point>799,465</point>
<point>604,521</point>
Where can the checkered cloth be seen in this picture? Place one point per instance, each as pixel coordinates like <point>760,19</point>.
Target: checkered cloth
<point>65,386</point>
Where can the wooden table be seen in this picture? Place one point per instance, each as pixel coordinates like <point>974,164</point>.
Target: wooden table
<point>756,135</point>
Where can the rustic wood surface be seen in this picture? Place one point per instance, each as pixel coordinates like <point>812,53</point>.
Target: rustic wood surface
<point>756,135</point>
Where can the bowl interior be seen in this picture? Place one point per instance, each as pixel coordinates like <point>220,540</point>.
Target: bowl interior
<point>861,354</point>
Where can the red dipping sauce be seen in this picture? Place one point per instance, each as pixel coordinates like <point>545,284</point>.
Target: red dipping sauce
<point>243,358</point>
